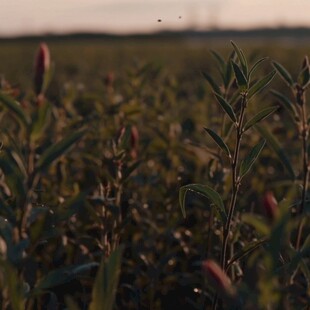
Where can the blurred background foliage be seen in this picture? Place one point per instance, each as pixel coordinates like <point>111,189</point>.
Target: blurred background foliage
<point>106,188</point>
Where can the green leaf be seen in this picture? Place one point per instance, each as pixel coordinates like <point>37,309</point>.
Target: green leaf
<point>285,102</point>
<point>61,276</point>
<point>219,58</point>
<point>257,222</point>
<point>306,244</point>
<point>283,73</point>
<point>70,207</point>
<point>104,290</point>
<point>219,141</point>
<point>205,191</point>
<point>247,163</point>
<point>40,121</point>
<point>250,247</point>
<point>241,58</point>
<point>14,284</point>
<point>275,146</point>
<point>261,84</point>
<point>226,107</point>
<point>212,83</point>
<point>221,62</point>
<point>14,178</point>
<point>58,149</point>
<point>228,73</point>
<point>259,116</point>
<point>278,236</point>
<point>304,77</point>
<point>241,79</point>
<point>14,107</point>
<point>6,231</point>
<point>130,169</point>
<point>48,75</point>
<point>255,66</point>
<point>306,271</point>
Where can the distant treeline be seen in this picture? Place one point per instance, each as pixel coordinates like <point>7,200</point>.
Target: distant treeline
<point>263,33</point>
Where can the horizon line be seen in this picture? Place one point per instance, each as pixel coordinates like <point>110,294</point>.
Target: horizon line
<point>162,32</point>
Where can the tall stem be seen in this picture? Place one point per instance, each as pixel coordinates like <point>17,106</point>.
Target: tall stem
<point>235,190</point>
<point>235,184</point>
<point>305,134</point>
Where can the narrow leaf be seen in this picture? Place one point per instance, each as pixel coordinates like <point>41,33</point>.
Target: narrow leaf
<point>14,107</point>
<point>257,222</point>
<point>219,141</point>
<point>283,73</point>
<point>40,121</point>
<point>226,107</point>
<point>259,116</point>
<point>58,149</point>
<point>245,251</point>
<point>261,84</point>
<point>212,83</point>
<point>228,73</point>
<point>241,79</point>
<point>219,58</point>
<point>255,66</point>
<point>241,58</point>
<point>304,267</point>
<point>247,163</point>
<point>62,275</point>
<point>205,191</point>
<point>304,77</point>
<point>104,290</point>
<point>14,177</point>
<point>244,64</point>
<point>275,146</point>
<point>221,62</point>
<point>285,102</point>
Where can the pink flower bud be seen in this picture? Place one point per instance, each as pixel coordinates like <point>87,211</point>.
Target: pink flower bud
<point>109,80</point>
<point>270,205</point>
<point>42,65</point>
<point>218,278</point>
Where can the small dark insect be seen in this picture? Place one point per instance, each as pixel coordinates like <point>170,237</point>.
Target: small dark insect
<point>180,17</point>
<point>159,20</point>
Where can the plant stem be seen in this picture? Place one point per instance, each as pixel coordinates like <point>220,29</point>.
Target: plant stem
<point>235,190</point>
<point>305,134</point>
<point>235,184</point>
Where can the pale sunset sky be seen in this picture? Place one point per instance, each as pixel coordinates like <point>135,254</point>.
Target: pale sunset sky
<point>126,16</point>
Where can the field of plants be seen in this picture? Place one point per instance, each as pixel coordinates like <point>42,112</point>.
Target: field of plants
<point>154,174</point>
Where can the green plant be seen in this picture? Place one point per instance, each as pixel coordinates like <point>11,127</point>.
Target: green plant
<point>235,105</point>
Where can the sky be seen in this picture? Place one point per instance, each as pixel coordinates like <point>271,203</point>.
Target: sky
<point>140,16</point>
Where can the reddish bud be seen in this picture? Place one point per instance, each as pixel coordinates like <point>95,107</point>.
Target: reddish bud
<point>218,278</point>
<point>270,205</point>
<point>42,65</point>
<point>109,80</point>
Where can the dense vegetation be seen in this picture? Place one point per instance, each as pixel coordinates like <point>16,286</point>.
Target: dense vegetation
<point>102,141</point>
